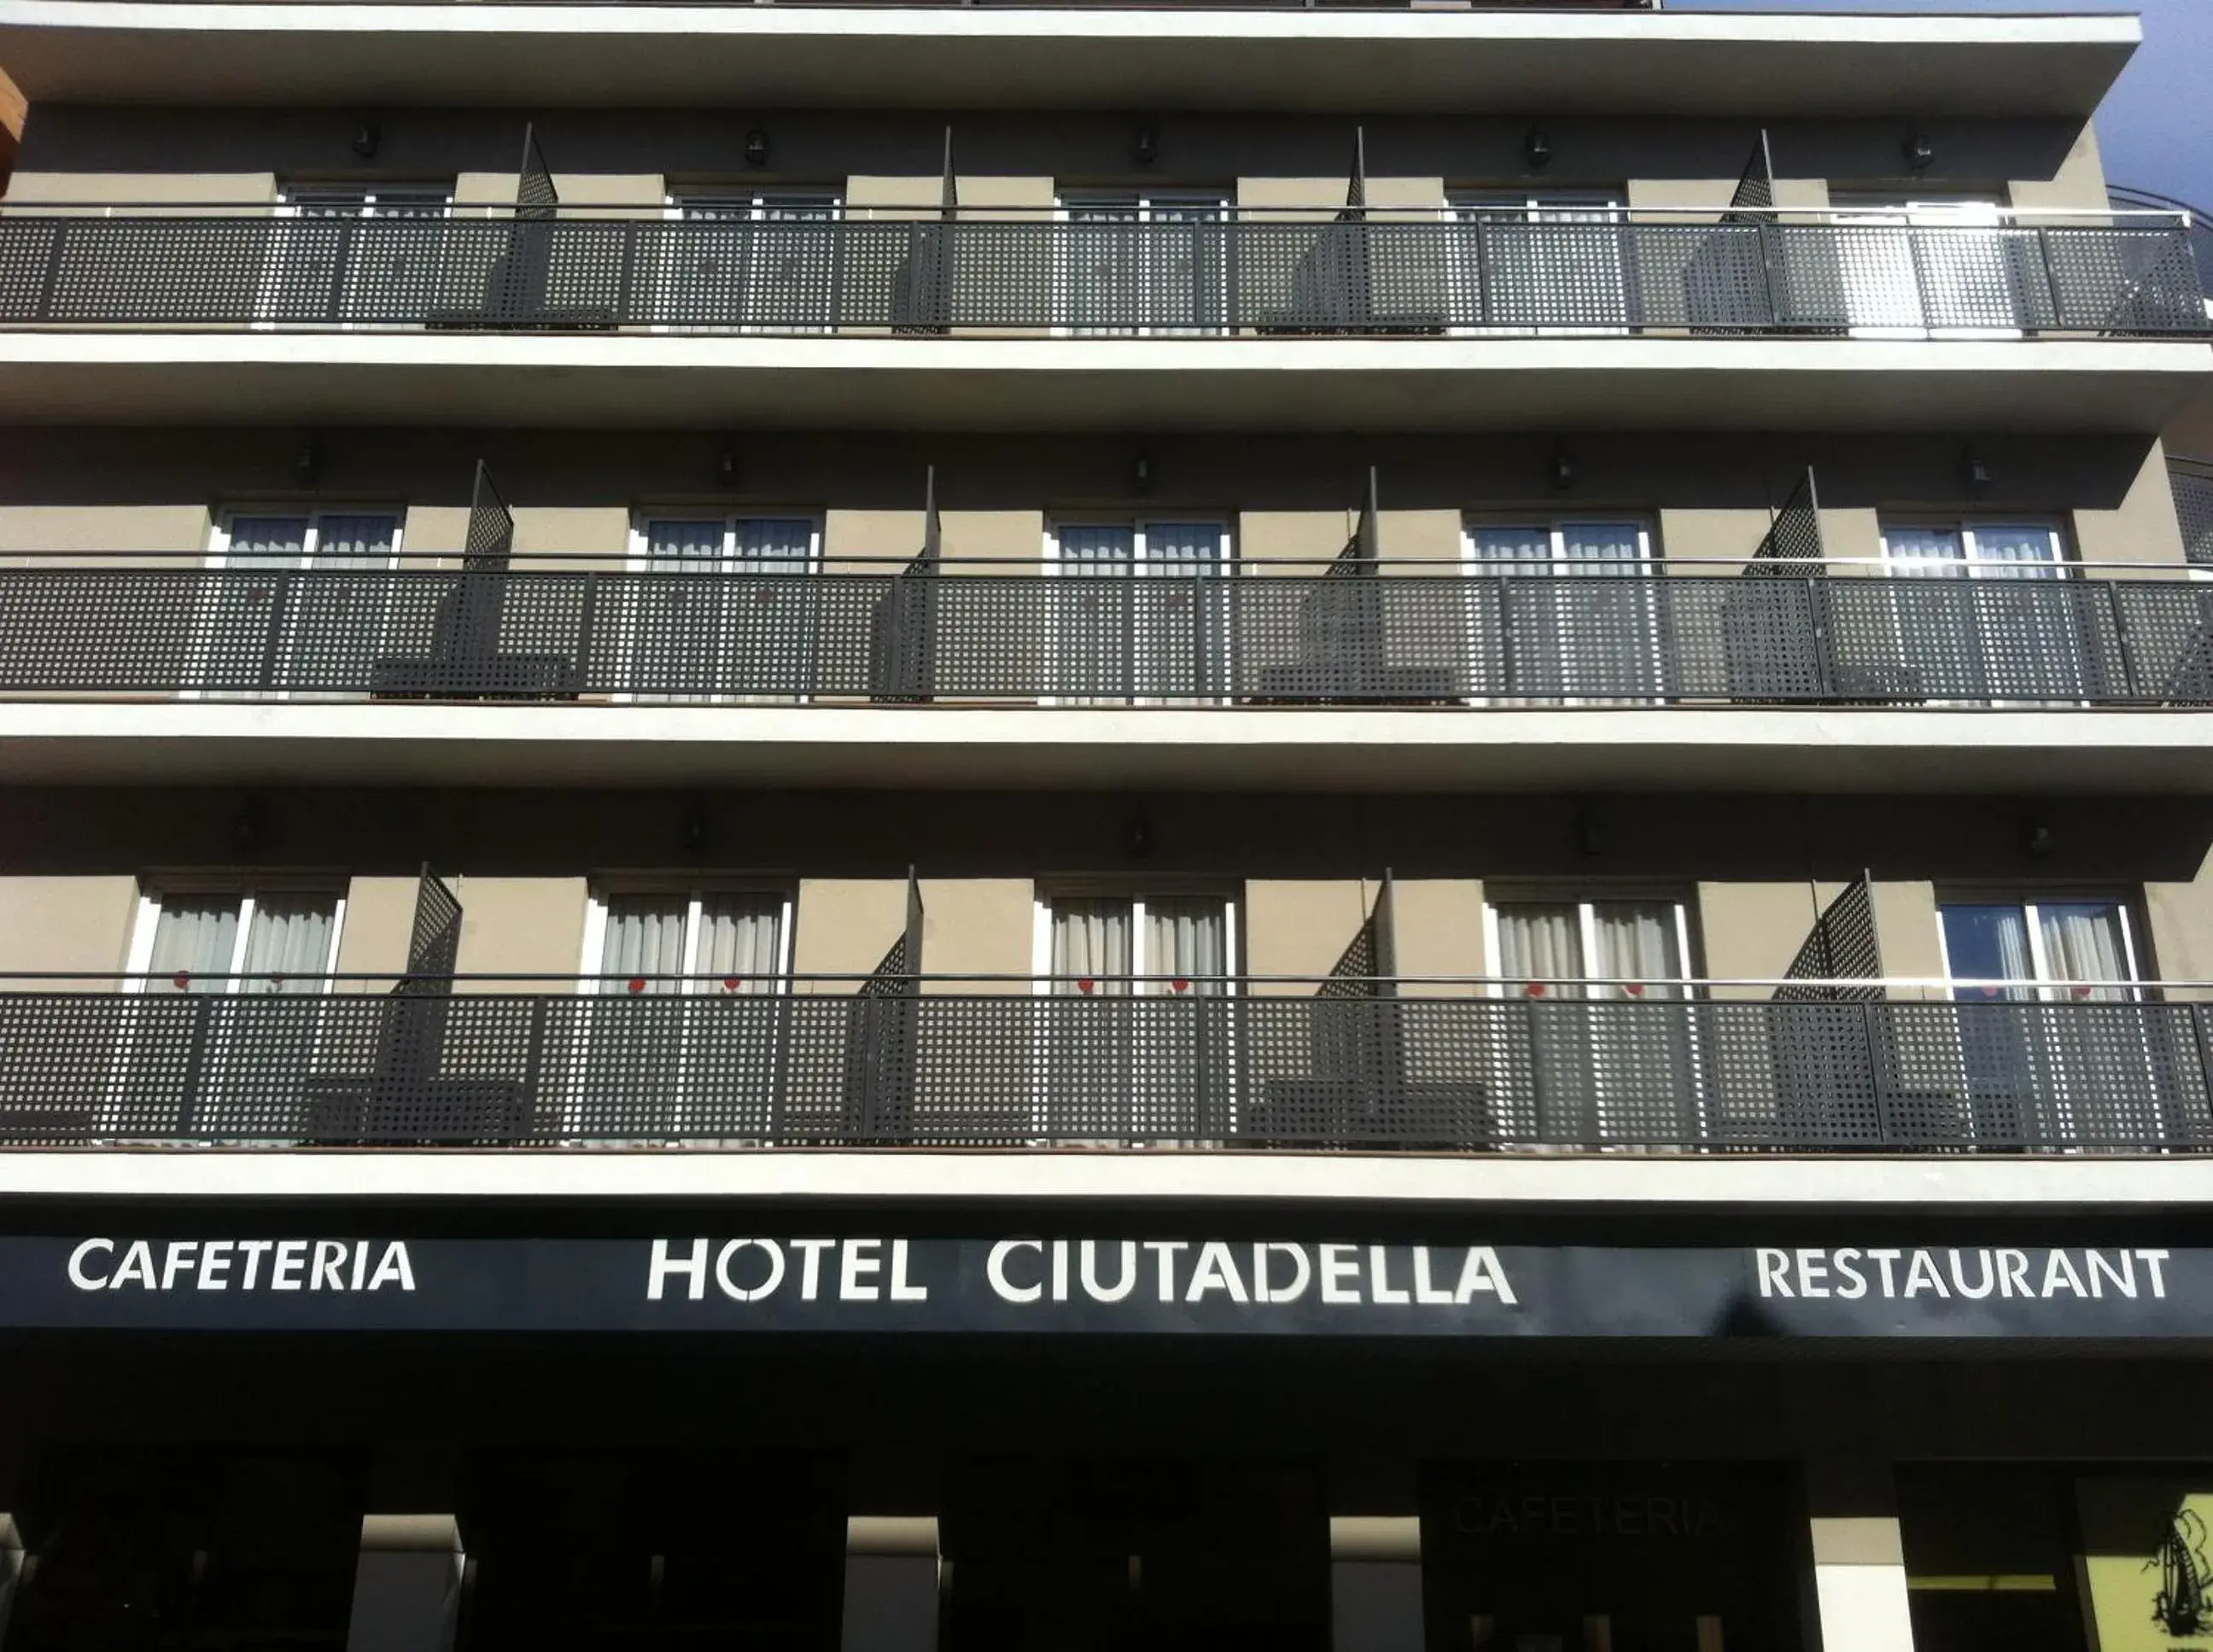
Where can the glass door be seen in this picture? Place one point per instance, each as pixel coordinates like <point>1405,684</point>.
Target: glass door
<point>1987,637</point>
<point>1541,264</point>
<point>1140,613</point>
<point>1139,263</point>
<point>760,261</point>
<point>1585,626</point>
<point>307,630</point>
<point>356,256</point>
<point>1942,267</point>
<point>730,608</point>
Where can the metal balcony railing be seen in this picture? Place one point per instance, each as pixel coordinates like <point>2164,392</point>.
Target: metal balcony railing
<point>1250,274</point>
<point>1434,1066</point>
<point>1404,634</point>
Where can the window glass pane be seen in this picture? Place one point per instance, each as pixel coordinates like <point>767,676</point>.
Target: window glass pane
<point>1514,549</point>
<point>1541,941</point>
<point>196,935</point>
<point>2028,552</point>
<point>677,538</point>
<point>1602,547</point>
<point>1187,938</point>
<point>2083,942</point>
<point>775,544</point>
<point>1107,550</point>
<point>1987,943</point>
<point>339,538</point>
<point>1183,547</point>
<point>267,541</point>
<point>1091,942</point>
<point>289,939</point>
<point>740,939</point>
<point>1926,552</point>
<point>645,937</point>
<point>1637,941</point>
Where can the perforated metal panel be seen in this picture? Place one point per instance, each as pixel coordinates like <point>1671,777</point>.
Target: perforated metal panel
<point>1208,638</point>
<point>2193,507</point>
<point>901,1067</point>
<point>1352,274</point>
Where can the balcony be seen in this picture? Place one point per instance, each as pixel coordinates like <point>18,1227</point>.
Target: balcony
<point>1761,634</point>
<point>1027,322</point>
<point>1428,1067</point>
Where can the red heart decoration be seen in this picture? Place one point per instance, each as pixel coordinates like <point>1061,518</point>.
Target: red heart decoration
<point>1636,989</point>
<point>730,983</point>
<point>182,980</point>
<point>1181,984</point>
<point>1084,985</point>
<point>638,984</point>
<point>2084,991</point>
<point>1536,989</point>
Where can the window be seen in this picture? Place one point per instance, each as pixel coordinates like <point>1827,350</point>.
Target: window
<point>1139,613</point>
<point>1136,262</point>
<point>1135,1038</point>
<point>2002,640</point>
<point>1605,1056</point>
<point>2045,949</point>
<point>758,260</point>
<point>731,608</point>
<point>319,623</point>
<point>275,940</point>
<point>1923,266</point>
<point>687,1041</point>
<point>359,255</point>
<point>1585,627</point>
<point>1546,263</point>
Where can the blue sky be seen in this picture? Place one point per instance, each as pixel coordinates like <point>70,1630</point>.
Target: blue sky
<point>2156,128</point>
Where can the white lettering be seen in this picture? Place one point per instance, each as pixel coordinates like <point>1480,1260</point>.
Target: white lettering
<point>2152,1260</point>
<point>1847,1263</point>
<point>1340,1263</point>
<point>1380,1288</point>
<point>255,1249</point>
<point>1920,1275</point>
<point>1165,1252</point>
<point>901,1290</point>
<point>810,1265</point>
<point>181,1254</point>
<point>360,1262</point>
<point>1812,1274</point>
<point>1883,1259</point>
<point>2123,1276</point>
<point>78,1276</point>
<point>137,1267</point>
<point>1774,1268</point>
<point>859,1259</point>
<point>1986,1281</point>
<point>2012,1274</point>
<point>1087,1268</point>
<point>1482,1272</point>
<point>1423,1290</point>
<point>215,1262</point>
<point>290,1257</point>
<point>767,1287</point>
<point>394,1266</point>
<point>1300,1278</point>
<point>1214,1271</point>
<point>994,1270</point>
<point>1059,1270</point>
<point>2059,1275</point>
<point>329,1253</point>
<point>694,1267</point>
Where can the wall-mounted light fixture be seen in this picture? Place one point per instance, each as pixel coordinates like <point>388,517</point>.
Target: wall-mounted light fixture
<point>2036,838</point>
<point>727,467</point>
<point>306,461</point>
<point>1975,471</point>
<point>1920,153</point>
<point>1537,148</point>
<point>1137,836</point>
<point>757,147</point>
<point>1140,474</point>
<point>368,138</point>
<point>1562,471</point>
<point>1145,147</point>
<point>1590,837</point>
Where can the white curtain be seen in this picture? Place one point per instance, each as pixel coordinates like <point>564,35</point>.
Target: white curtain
<point>1988,942</point>
<point>1514,549</point>
<point>1925,553</point>
<point>1602,548</point>
<point>739,940</point>
<point>196,933</point>
<point>684,543</point>
<point>1091,942</point>
<point>1187,938</point>
<point>770,544</point>
<point>2018,551</point>
<point>1540,942</point>
<point>1098,549</point>
<point>341,539</point>
<point>267,541</point>
<point>2083,942</point>
<point>645,937</point>
<point>1183,547</point>
<point>288,938</point>
<point>1637,941</point>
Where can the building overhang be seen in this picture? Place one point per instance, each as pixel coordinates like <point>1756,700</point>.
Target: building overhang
<point>1742,749</point>
<point>660,381</point>
<point>1077,56</point>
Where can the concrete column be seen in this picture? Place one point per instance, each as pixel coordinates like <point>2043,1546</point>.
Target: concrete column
<point>1375,1583</point>
<point>407,1585</point>
<point>1859,1559</point>
<point>890,1583</point>
<point>11,1569</point>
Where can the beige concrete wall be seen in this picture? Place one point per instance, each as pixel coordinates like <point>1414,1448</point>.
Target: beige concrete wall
<point>1702,194</point>
<point>67,924</point>
<point>1294,537</point>
<point>2079,181</point>
<point>179,532</point>
<point>1322,196</point>
<point>979,926</point>
<point>159,189</point>
<point>380,924</point>
<point>526,925</point>
<point>643,194</point>
<point>1751,930</point>
<point>2179,915</point>
<point>845,926</point>
<point>1437,926</point>
<point>1693,537</point>
<point>2142,528</point>
<point>1905,928</point>
<point>2191,435</point>
<point>1303,926</point>
<point>565,533</point>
